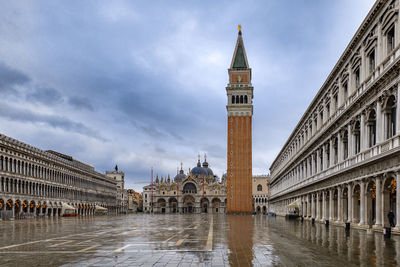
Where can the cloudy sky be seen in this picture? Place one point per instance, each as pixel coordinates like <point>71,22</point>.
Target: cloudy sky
<point>142,83</point>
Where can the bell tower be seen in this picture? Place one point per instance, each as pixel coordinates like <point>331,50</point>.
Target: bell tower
<point>240,111</point>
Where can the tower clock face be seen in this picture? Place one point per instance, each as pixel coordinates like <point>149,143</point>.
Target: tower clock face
<point>239,79</point>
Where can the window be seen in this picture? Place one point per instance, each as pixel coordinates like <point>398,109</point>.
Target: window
<point>357,143</point>
<point>321,159</point>
<point>335,149</point>
<point>328,155</point>
<point>245,99</point>
<point>237,99</point>
<point>241,99</point>
<point>345,92</point>
<point>335,99</point>
<point>328,110</point>
<point>233,99</point>
<point>345,145</point>
<point>371,124</point>
<point>357,78</point>
<point>321,118</point>
<point>371,61</point>
<point>390,117</point>
<point>390,40</point>
<point>259,187</point>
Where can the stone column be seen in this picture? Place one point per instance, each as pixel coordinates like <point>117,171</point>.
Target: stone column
<point>349,203</point>
<point>318,214</point>
<point>312,167</point>
<point>362,203</point>
<point>378,202</point>
<point>323,156</point>
<point>362,132</point>
<point>379,125</point>
<point>398,199</point>
<point>340,204</point>
<point>350,147</point>
<point>340,147</point>
<point>323,205</point>
<point>312,205</point>
<point>331,192</point>
<point>318,161</point>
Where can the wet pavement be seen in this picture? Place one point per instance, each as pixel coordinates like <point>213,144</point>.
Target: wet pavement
<point>189,240</point>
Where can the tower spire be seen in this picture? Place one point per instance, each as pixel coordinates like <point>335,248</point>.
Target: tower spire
<point>239,59</point>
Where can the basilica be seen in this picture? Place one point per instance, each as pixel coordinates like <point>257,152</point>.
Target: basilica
<point>198,191</point>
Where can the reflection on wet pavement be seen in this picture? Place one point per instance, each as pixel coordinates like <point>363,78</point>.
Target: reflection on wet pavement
<point>185,240</point>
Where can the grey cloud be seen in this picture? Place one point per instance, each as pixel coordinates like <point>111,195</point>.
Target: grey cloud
<point>24,115</point>
<point>9,78</point>
<point>80,103</point>
<point>48,96</point>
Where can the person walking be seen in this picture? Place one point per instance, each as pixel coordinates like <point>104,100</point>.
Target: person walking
<point>390,216</point>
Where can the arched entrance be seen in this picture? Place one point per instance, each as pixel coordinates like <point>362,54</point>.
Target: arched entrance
<point>161,205</point>
<point>356,203</point>
<point>44,208</point>
<point>17,207</point>
<point>216,205</point>
<point>9,204</point>
<point>173,205</point>
<point>32,206</point>
<point>389,198</point>
<point>258,210</point>
<point>204,205</point>
<point>264,209</point>
<point>345,214</point>
<point>188,204</point>
<point>371,204</point>
<point>25,205</point>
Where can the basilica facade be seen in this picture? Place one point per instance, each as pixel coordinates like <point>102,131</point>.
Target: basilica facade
<point>342,161</point>
<point>198,191</point>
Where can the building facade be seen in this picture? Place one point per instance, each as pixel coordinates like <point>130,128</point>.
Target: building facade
<point>34,183</point>
<point>260,189</point>
<point>121,193</point>
<point>198,191</point>
<point>342,161</point>
<point>134,201</point>
<point>240,111</point>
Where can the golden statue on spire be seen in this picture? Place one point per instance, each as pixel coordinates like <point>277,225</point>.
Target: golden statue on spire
<point>239,27</point>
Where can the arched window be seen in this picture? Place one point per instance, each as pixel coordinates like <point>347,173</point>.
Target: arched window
<point>357,138</point>
<point>189,188</point>
<point>335,150</point>
<point>237,99</point>
<point>259,187</point>
<point>233,99</point>
<point>371,124</point>
<point>241,99</point>
<point>390,117</point>
<point>245,99</point>
<point>345,145</point>
<point>321,159</point>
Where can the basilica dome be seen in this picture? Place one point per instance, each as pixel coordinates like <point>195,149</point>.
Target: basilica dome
<point>180,176</point>
<point>199,170</point>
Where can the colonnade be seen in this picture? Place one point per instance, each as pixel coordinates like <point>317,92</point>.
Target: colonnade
<point>364,202</point>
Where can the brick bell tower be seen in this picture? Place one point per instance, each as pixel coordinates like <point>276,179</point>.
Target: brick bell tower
<point>240,111</point>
